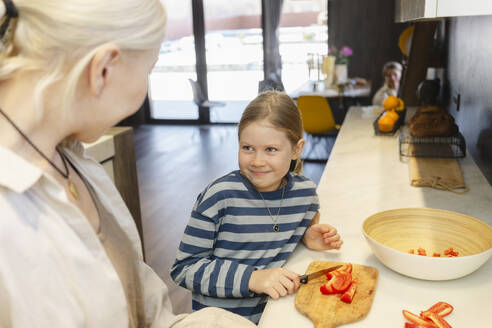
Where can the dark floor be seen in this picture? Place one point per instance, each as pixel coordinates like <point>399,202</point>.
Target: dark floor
<point>174,164</point>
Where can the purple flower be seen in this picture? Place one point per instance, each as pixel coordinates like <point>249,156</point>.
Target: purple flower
<point>346,51</point>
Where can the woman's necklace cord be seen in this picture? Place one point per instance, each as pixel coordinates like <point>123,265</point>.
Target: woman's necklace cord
<point>66,174</point>
<point>275,224</point>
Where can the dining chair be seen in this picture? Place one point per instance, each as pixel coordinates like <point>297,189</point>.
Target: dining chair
<point>319,125</point>
<point>200,99</point>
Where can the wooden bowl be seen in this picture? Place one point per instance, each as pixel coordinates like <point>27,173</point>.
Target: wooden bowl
<point>391,234</point>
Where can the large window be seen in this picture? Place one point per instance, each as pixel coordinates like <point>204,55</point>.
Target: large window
<point>170,90</point>
<point>303,35</point>
<point>233,53</point>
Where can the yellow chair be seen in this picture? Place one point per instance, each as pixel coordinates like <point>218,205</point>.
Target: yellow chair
<point>318,123</point>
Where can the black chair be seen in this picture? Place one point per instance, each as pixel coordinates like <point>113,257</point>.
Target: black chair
<point>200,100</point>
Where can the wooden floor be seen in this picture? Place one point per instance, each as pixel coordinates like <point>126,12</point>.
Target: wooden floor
<point>174,164</point>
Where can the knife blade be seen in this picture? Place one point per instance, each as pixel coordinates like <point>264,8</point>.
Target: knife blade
<point>305,278</point>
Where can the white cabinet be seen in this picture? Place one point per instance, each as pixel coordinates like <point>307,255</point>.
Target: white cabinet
<point>410,10</point>
<point>448,8</point>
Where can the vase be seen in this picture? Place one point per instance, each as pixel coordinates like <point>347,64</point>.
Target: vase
<point>341,73</point>
<point>328,69</point>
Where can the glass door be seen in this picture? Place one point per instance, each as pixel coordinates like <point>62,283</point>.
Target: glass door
<point>169,89</point>
<point>234,53</point>
<point>303,38</point>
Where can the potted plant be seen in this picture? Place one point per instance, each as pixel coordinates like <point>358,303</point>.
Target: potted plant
<point>341,62</point>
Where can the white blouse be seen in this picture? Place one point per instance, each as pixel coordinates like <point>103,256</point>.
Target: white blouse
<point>54,271</point>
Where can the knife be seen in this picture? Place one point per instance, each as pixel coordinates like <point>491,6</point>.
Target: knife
<point>305,278</point>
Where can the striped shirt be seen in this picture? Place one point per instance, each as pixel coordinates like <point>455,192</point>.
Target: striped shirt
<point>230,234</point>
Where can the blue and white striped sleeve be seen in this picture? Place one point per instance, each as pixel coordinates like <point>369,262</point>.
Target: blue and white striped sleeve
<point>196,268</point>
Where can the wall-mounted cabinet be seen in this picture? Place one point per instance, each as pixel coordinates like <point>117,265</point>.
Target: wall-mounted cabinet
<point>410,10</point>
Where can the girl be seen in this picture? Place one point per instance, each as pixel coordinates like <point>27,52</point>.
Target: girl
<point>245,224</point>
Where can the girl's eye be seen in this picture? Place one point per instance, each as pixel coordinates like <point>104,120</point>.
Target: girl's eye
<point>248,148</point>
<point>271,149</point>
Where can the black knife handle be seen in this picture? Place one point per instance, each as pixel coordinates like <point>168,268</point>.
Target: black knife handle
<point>303,279</point>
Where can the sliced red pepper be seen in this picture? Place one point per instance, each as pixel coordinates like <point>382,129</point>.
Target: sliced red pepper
<point>348,296</point>
<point>436,319</point>
<point>346,267</point>
<point>341,281</point>
<point>442,309</point>
<point>450,252</point>
<point>436,255</point>
<point>327,289</point>
<point>411,325</point>
<point>422,251</point>
<point>418,320</point>
<point>411,251</point>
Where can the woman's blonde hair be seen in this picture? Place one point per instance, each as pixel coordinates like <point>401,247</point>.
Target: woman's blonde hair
<point>59,37</point>
<point>280,111</point>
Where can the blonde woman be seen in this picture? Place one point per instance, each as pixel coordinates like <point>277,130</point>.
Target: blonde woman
<point>70,255</point>
<point>392,74</point>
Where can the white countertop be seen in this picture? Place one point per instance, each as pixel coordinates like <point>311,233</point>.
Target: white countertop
<point>363,176</point>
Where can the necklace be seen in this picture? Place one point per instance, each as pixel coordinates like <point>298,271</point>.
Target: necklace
<point>66,174</point>
<point>275,225</point>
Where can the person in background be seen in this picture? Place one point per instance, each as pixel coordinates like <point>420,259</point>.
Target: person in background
<point>70,255</point>
<point>392,74</point>
<point>244,225</point>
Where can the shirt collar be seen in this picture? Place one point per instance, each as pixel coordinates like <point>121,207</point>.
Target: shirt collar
<point>16,173</point>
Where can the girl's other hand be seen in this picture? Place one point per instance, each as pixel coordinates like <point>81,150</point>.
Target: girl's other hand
<point>274,282</point>
<point>322,237</point>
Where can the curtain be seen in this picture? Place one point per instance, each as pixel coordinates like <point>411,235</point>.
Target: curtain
<point>272,63</point>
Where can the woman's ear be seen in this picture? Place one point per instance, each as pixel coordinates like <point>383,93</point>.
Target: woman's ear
<point>298,148</point>
<point>101,67</point>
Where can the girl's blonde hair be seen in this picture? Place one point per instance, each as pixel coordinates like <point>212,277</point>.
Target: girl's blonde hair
<point>59,37</point>
<point>280,111</point>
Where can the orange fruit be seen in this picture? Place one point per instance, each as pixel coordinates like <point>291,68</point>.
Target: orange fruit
<point>393,115</point>
<point>391,102</point>
<point>386,123</point>
<point>401,105</point>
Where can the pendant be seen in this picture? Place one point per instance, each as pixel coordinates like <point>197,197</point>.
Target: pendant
<point>73,189</point>
<point>275,227</point>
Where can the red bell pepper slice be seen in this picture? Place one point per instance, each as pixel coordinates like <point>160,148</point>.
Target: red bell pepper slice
<point>348,296</point>
<point>341,281</point>
<point>436,255</point>
<point>436,319</point>
<point>450,252</point>
<point>418,320</point>
<point>345,267</point>
<point>442,309</point>
<point>411,325</point>
<point>327,289</point>
<point>422,251</point>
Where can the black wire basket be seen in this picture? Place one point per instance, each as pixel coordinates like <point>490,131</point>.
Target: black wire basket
<point>398,123</point>
<point>435,147</point>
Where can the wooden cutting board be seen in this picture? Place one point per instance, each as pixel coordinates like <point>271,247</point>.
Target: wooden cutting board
<point>328,311</point>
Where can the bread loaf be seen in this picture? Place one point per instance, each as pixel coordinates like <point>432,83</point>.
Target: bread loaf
<point>432,121</point>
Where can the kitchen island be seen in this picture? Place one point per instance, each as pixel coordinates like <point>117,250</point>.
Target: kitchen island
<point>364,175</point>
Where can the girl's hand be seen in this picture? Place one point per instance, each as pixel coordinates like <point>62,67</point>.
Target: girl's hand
<point>322,237</point>
<point>275,282</point>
